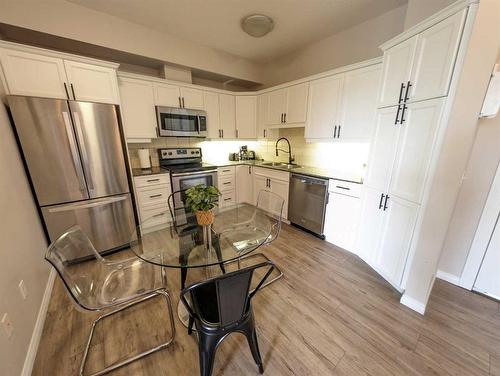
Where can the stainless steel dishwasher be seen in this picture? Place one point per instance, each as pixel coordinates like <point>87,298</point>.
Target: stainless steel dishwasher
<point>307,203</point>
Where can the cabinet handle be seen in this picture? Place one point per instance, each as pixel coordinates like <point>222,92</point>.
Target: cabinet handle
<point>159,215</point>
<point>226,183</point>
<point>73,91</point>
<point>151,180</point>
<point>335,132</point>
<point>385,203</point>
<point>284,118</point>
<point>180,103</point>
<point>154,196</point>
<point>269,182</point>
<point>340,187</point>
<point>281,118</point>
<point>249,170</point>
<point>222,130</point>
<point>397,116</point>
<point>407,93</point>
<point>183,105</point>
<point>381,199</point>
<point>66,90</point>
<point>338,133</point>
<point>237,133</point>
<point>264,133</point>
<point>401,92</point>
<point>403,114</point>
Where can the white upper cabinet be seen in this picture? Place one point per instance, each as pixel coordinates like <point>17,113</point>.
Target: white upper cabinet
<point>325,97</point>
<point>262,111</point>
<point>288,106</point>
<point>383,149</point>
<point>138,108</point>
<point>211,102</point>
<point>92,83</point>
<point>396,72</point>
<point>435,58</point>
<point>277,103</point>
<point>246,116</point>
<point>296,104</point>
<point>359,104</point>
<point>227,108</point>
<point>191,98</point>
<point>167,95</point>
<point>33,74</point>
<point>417,137</point>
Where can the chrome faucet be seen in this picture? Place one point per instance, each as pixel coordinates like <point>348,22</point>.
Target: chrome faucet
<point>290,158</point>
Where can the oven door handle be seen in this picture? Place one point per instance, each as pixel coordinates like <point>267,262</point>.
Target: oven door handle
<point>205,172</point>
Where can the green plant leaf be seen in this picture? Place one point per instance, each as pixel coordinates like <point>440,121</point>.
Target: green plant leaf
<point>202,198</point>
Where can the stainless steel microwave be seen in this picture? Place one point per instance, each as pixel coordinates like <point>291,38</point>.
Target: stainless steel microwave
<point>181,122</point>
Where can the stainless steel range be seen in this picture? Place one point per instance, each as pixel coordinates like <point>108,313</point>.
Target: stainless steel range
<point>187,168</point>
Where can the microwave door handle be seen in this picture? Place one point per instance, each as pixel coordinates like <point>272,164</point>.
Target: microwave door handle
<point>198,123</point>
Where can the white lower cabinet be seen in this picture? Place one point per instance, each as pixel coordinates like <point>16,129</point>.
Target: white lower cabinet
<point>342,216</point>
<point>244,184</point>
<point>273,181</point>
<point>152,194</point>
<point>385,233</point>
<point>226,182</point>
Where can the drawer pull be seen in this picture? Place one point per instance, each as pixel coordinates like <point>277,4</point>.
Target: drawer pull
<point>226,183</point>
<point>346,188</point>
<point>159,215</point>
<point>228,199</point>
<point>154,196</point>
<point>152,180</point>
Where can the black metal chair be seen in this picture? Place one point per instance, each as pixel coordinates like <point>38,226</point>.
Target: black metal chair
<point>220,306</point>
<point>189,232</point>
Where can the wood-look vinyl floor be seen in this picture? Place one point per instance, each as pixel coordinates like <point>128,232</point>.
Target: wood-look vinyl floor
<point>330,315</point>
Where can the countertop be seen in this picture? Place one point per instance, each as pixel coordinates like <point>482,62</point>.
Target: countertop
<point>303,170</point>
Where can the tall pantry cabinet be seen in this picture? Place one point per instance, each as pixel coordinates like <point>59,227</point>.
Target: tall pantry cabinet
<point>416,77</point>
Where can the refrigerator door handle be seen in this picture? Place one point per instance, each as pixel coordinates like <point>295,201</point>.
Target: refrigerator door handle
<point>74,151</point>
<point>93,204</point>
<point>83,149</point>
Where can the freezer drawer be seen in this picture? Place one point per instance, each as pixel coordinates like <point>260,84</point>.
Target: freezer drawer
<point>108,222</point>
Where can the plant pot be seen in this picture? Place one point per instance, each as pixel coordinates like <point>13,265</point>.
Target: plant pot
<point>205,218</point>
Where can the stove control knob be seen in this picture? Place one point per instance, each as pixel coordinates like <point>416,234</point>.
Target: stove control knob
<point>197,152</point>
<point>169,153</point>
<point>192,152</point>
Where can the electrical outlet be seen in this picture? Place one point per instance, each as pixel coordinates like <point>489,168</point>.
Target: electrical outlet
<point>7,325</point>
<point>23,289</point>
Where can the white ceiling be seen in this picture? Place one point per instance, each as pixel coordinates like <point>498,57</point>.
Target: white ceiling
<point>216,23</point>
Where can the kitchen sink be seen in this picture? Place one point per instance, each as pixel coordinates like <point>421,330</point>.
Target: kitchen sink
<point>281,165</point>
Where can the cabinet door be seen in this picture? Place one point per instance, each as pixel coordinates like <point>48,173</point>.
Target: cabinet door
<point>244,184</point>
<point>192,98</point>
<point>259,184</point>
<point>137,108</point>
<point>167,95</point>
<point>227,115</point>
<point>281,189</point>
<point>33,75</point>
<point>324,105</point>
<point>296,103</point>
<point>396,70</point>
<point>435,58</point>
<point>277,100</point>
<point>396,235</point>
<point>359,103</point>
<point>341,220</point>
<point>246,116</point>
<point>370,224</point>
<point>211,101</point>
<point>417,137</point>
<point>92,83</point>
<point>383,149</point>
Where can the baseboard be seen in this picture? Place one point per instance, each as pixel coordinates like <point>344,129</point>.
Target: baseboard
<point>453,279</point>
<point>413,304</point>
<point>37,331</point>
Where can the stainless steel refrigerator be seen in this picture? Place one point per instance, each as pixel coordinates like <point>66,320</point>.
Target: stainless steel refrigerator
<point>75,160</point>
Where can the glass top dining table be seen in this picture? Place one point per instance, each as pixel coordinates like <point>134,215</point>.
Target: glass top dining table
<point>237,230</point>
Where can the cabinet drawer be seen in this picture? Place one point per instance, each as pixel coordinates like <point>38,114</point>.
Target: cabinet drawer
<point>345,188</point>
<point>225,171</point>
<point>227,198</point>
<point>153,195</point>
<point>154,215</point>
<point>272,174</point>
<point>151,180</point>
<point>226,183</point>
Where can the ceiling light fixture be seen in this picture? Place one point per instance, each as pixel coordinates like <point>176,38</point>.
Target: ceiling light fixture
<point>257,25</point>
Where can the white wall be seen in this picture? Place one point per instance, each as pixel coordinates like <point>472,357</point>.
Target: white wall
<point>455,152</point>
<point>480,173</point>
<point>65,19</point>
<point>418,10</point>
<point>21,253</point>
<point>360,42</point>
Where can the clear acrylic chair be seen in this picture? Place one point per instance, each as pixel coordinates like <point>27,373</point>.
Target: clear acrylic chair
<point>272,205</point>
<point>105,286</point>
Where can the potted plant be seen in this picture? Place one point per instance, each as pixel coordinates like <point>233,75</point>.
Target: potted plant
<point>202,200</point>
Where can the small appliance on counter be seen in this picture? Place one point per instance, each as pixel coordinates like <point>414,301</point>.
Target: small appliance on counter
<point>234,157</point>
<point>245,154</point>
